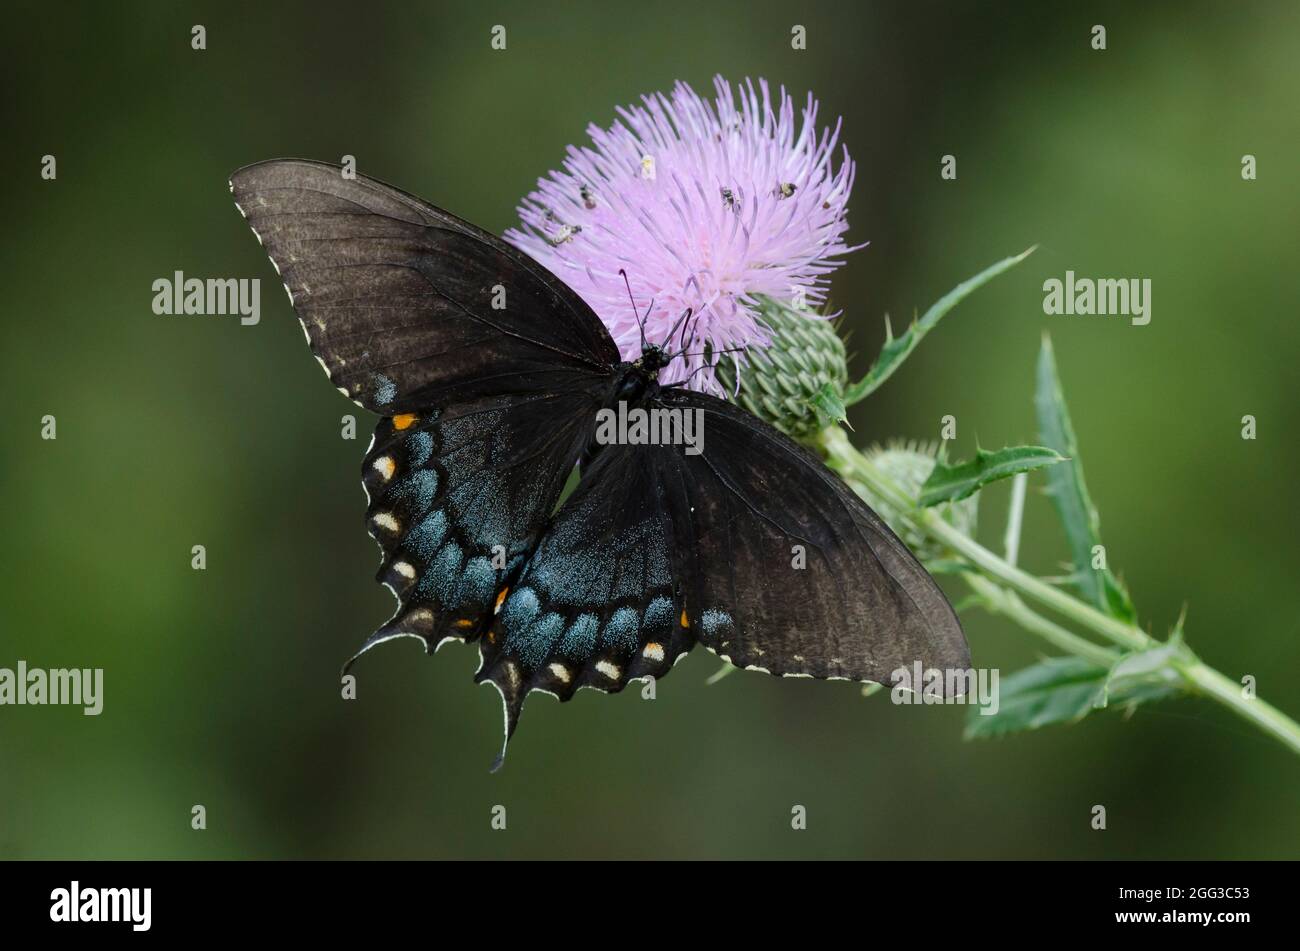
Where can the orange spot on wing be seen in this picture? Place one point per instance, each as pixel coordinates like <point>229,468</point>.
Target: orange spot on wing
<point>685,623</point>
<point>404,421</point>
<point>501,596</point>
<point>464,622</point>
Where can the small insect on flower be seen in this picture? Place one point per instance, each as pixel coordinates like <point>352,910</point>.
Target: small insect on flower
<point>707,205</point>
<point>565,233</point>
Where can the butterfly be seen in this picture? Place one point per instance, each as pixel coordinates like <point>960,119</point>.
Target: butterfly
<point>489,374</point>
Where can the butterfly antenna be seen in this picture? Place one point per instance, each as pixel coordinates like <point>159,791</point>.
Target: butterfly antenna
<point>640,324</point>
<point>687,340</point>
<point>686,315</point>
<point>684,382</point>
<point>716,353</point>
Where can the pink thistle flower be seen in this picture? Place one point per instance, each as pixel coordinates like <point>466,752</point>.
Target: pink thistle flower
<point>705,206</point>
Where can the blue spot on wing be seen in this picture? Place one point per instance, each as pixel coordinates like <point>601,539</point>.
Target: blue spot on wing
<point>420,447</point>
<point>427,535</point>
<point>580,638</point>
<point>420,486</point>
<point>621,630</point>
<point>479,582</point>
<point>443,576</point>
<point>385,390</point>
<point>519,610</point>
<point>715,622</point>
<point>534,643</point>
<point>659,617</point>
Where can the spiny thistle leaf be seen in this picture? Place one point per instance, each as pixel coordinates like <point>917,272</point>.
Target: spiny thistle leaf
<point>953,483</point>
<point>830,406</point>
<point>1144,675</point>
<point>1056,690</point>
<point>1067,689</point>
<point>1070,494</point>
<point>897,349</point>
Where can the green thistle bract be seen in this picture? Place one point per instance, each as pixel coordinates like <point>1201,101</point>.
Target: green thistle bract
<point>779,382</point>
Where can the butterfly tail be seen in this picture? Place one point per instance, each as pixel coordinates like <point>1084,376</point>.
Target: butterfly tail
<point>505,676</point>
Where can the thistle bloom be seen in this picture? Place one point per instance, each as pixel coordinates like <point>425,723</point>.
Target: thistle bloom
<point>706,206</point>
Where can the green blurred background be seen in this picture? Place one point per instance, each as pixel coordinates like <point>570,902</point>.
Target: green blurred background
<point>221,685</point>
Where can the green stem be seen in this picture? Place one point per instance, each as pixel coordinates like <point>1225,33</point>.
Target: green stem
<point>868,481</point>
<point>1001,601</point>
<point>1227,692</point>
<point>1011,541</point>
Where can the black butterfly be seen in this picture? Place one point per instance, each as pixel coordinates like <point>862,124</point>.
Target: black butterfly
<point>487,408</point>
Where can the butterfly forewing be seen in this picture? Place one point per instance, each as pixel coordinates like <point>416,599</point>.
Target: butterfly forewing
<point>793,573</point>
<point>407,306</point>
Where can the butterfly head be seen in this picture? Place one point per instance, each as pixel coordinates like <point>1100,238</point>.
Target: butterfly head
<point>653,358</point>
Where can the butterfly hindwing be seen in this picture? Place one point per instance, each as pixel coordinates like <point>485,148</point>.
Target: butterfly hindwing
<point>407,306</point>
<point>457,498</point>
<point>597,604</point>
<point>752,548</point>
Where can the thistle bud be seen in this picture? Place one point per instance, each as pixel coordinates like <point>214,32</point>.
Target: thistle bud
<point>908,465</point>
<point>780,381</point>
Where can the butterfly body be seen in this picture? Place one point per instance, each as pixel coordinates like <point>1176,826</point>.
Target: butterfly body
<point>747,545</point>
<point>634,383</point>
